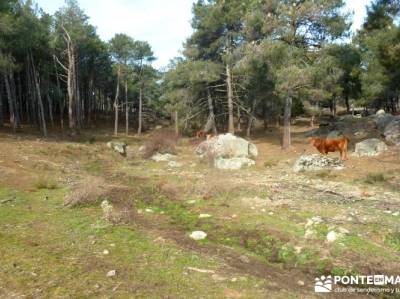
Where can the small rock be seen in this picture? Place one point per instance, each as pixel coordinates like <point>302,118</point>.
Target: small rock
<point>343,231</point>
<point>218,278</point>
<point>332,236</point>
<point>244,259</point>
<point>162,157</point>
<point>298,249</point>
<point>106,252</point>
<point>111,273</point>
<point>198,235</point>
<point>119,147</point>
<point>396,213</point>
<point>309,234</point>
<point>148,210</point>
<point>205,216</point>
<point>174,164</point>
<point>313,221</point>
<point>300,283</point>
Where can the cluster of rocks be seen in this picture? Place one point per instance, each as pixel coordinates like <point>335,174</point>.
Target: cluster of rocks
<point>227,151</point>
<point>373,126</point>
<point>317,162</point>
<point>311,230</point>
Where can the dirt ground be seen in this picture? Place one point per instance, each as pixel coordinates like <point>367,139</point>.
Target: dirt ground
<point>257,244</point>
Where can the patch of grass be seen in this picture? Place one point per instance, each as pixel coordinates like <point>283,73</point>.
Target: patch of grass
<point>94,167</point>
<point>59,252</point>
<point>270,163</point>
<point>393,240</point>
<point>375,178</point>
<point>45,182</point>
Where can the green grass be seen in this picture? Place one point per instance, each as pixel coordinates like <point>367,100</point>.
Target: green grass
<point>45,182</point>
<point>59,251</point>
<point>375,178</point>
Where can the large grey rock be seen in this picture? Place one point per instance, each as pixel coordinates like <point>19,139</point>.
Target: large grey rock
<point>370,147</point>
<point>382,120</point>
<point>380,112</point>
<point>334,134</point>
<point>233,163</point>
<point>119,147</point>
<point>227,146</point>
<point>317,162</point>
<point>392,131</point>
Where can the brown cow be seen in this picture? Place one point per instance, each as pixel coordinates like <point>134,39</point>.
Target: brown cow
<point>324,146</point>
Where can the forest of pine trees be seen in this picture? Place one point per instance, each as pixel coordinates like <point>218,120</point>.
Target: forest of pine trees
<point>246,60</point>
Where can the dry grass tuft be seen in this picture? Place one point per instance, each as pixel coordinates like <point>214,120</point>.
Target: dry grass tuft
<point>162,142</point>
<point>95,189</point>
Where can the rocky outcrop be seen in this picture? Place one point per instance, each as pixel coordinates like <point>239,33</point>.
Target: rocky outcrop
<point>119,147</point>
<point>228,151</point>
<point>370,147</point>
<point>317,162</point>
<point>392,131</point>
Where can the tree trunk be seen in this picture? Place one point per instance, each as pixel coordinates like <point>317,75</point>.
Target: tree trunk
<point>42,119</point>
<point>333,106</point>
<point>231,128</point>
<point>140,110</point>
<point>60,97</point>
<point>49,100</point>
<point>211,116</point>
<point>1,105</point>
<point>176,122</point>
<point>116,102</point>
<point>126,109</point>
<point>347,102</point>
<point>14,96</point>
<point>71,90</point>
<point>10,103</point>
<point>286,123</point>
<point>252,118</point>
<point>239,119</point>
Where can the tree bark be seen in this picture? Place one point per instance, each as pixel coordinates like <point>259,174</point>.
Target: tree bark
<point>286,123</point>
<point>231,128</point>
<point>140,109</point>
<point>49,100</point>
<point>346,99</point>
<point>176,122</point>
<point>60,97</point>
<point>251,119</point>
<point>126,109</point>
<point>116,102</point>
<point>211,116</point>
<point>10,103</point>
<point>1,105</point>
<point>42,119</point>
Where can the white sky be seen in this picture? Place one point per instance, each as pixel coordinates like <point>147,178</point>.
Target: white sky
<point>165,24</point>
